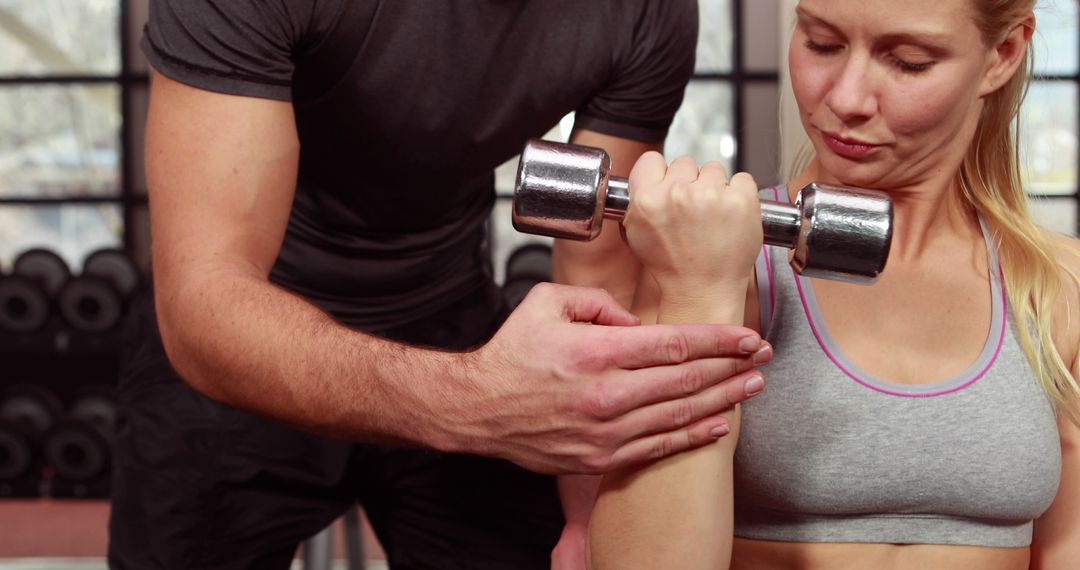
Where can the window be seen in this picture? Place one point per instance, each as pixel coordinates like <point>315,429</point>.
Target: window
<point>69,86</point>
<point>1049,118</point>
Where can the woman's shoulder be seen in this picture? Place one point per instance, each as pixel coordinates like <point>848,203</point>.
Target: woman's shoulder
<point>1066,250</point>
<point>1066,328</point>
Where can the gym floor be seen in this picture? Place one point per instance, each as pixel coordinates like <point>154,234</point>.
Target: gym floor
<point>49,534</point>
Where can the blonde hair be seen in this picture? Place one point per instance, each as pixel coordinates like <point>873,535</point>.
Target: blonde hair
<point>989,180</point>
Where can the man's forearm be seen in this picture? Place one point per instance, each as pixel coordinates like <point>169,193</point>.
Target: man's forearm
<point>246,342</point>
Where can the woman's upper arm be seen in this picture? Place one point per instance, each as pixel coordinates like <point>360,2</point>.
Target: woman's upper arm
<point>1056,543</point>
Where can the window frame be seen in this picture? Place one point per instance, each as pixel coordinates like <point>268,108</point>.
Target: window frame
<point>128,81</point>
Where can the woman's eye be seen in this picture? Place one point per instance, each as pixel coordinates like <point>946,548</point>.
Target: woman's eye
<point>821,48</point>
<point>909,67</point>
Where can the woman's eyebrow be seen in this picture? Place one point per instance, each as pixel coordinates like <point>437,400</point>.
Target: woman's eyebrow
<point>931,37</point>
<point>806,17</point>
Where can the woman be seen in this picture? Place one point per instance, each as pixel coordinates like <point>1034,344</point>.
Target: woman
<point>928,420</point>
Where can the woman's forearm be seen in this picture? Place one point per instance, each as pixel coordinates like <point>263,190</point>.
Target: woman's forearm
<point>676,512</point>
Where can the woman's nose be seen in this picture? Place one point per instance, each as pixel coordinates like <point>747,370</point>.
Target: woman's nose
<point>852,95</point>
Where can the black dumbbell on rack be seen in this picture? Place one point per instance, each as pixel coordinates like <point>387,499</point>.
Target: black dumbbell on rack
<point>78,448</point>
<point>28,293</point>
<point>527,265</point>
<point>95,301</point>
<point>27,413</point>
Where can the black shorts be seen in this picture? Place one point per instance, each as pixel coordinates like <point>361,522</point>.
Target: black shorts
<point>201,485</point>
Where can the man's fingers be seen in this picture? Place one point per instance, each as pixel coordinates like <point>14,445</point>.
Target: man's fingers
<point>661,399</point>
<point>657,345</point>
<point>671,415</point>
<point>582,305</point>
<point>661,445</point>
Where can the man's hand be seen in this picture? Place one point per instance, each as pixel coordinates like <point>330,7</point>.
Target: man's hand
<point>571,384</point>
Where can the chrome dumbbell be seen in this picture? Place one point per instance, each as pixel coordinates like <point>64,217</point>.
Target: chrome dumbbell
<point>565,191</point>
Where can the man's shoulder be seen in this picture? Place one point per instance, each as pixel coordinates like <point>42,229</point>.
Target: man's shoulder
<point>243,47</point>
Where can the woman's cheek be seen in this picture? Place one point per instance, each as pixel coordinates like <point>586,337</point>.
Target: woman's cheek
<point>809,83</point>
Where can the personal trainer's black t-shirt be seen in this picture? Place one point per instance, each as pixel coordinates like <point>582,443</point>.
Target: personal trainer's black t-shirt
<point>405,107</point>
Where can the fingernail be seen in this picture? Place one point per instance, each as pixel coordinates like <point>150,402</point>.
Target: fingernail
<point>720,431</point>
<point>749,343</point>
<point>755,385</point>
<point>763,355</point>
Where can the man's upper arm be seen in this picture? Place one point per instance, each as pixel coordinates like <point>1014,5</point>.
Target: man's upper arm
<point>221,171</point>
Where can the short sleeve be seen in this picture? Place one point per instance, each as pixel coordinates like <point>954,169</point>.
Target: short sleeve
<point>240,47</point>
<point>651,72</point>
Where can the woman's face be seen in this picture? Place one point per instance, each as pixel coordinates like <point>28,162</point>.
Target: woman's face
<point>889,91</point>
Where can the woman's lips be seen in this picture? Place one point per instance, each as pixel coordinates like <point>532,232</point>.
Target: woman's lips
<point>848,148</point>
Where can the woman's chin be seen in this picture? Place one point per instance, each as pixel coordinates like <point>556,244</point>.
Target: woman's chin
<point>843,172</point>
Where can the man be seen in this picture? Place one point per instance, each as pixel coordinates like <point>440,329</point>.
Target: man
<point>318,169</point>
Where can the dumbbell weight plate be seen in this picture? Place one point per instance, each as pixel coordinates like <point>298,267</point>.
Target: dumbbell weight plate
<point>33,407</point>
<point>90,304</point>
<point>557,187</point>
<point>114,266</point>
<point>97,409</point>
<point>16,451</point>
<point>43,266</point>
<point>530,260</point>
<point>76,450</point>
<point>24,305</point>
<point>515,290</point>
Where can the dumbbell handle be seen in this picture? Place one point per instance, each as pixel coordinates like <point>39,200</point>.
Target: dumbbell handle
<point>779,221</point>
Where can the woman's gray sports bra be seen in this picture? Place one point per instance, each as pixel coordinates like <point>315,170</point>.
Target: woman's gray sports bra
<point>830,453</point>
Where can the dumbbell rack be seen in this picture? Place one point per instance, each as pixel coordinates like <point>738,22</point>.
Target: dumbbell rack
<point>70,375</point>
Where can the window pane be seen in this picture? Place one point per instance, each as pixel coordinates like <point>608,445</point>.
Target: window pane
<point>59,141</point>
<point>761,154</point>
<point>1058,214</point>
<point>703,127</point>
<point>138,14</point>
<point>761,30</point>
<point>59,37</point>
<point>714,48</point>
<point>140,101</point>
<point>72,230</point>
<point>1055,40</point>
<point>139,232</point>
<point>1048,140</point>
